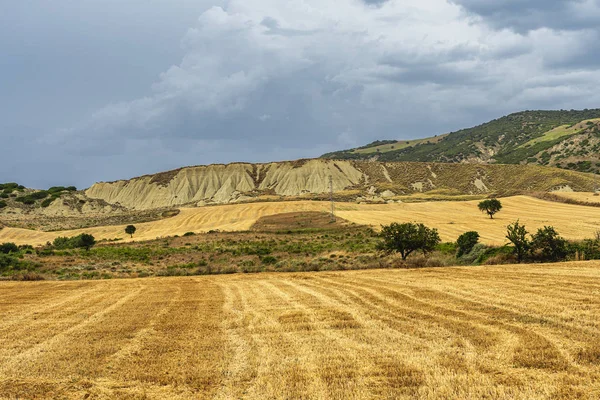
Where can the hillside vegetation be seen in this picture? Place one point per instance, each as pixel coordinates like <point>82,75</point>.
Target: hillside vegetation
<point>565,139</point>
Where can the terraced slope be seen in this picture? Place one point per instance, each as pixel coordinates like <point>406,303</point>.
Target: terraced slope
<point>511,332</point>
<point>450,218</point>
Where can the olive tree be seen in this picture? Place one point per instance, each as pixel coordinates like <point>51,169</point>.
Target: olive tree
<point>407,238</point>
<point>490,207</point>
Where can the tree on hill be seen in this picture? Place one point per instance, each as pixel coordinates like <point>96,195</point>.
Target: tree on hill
<point>130,230</point>
<point>490,207</point>
<point>407,238</point>
<point>517,234</point>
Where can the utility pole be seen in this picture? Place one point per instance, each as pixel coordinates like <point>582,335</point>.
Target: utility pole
<point>331,198</point>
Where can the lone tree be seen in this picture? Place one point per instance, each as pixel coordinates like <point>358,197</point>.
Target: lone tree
<point>130,230</point>
<point>407,238</point>
<point>517,234</point>
<point>86,241</point>
<point>490,206</point>
<point>466,242</point>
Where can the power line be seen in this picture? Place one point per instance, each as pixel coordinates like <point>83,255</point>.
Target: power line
<point>331,198</point>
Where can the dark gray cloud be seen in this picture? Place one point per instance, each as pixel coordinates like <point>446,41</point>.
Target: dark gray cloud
<point>526,15</point>
<point>112,90</point>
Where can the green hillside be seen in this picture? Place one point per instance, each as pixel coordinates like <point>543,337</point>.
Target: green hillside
<point>566,139</point>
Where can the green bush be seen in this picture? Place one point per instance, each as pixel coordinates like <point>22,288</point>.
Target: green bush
<point>466,242</point>
<point>189,234</point>
<point>549,245</point>
<point>268,260</point>
<point>47,202</point>
<point>446,248</point>
<point>3,204</point>
<point>83,241</point>
<point>25,200</point>
<point>7,248</point>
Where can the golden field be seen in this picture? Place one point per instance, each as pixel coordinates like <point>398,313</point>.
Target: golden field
<point>585,197</point>
<point>510,332</point>
<point>451,218</point>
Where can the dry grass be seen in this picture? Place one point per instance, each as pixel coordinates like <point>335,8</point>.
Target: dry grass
<point>583,197</point>
<point>518,332</point>
<point>451,218</point>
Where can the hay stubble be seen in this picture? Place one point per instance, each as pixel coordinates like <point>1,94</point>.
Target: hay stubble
<point>451,218</point>
<point>512,332</point>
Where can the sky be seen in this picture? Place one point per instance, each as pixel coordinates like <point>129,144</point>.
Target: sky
<point>100,90</point>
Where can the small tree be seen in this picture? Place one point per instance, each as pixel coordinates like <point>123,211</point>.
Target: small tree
<point>466,242</point>
<point>548,242</point>
<point>130,230</point>
<point>490,207</point>
<point>407,238</point>
<point>86,241</point>
<point>517,234</point>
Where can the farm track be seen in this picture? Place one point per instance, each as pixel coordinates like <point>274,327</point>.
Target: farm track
<point>451,218</point>
<point>510,332</point>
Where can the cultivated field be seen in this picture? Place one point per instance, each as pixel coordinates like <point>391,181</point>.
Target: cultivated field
<point>585,197</point>
<point>451,218</point>
<point>511,332</point>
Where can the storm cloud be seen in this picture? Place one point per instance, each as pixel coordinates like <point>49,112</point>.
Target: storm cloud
<point>263,80</point>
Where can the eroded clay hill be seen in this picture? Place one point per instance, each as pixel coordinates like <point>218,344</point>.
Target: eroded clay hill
<point>355,180</point>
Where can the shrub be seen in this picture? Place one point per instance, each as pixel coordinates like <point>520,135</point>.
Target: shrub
<point>3,204</point>
<point>189,234</point>
<point>47,202</point>
<point>447,248</point>
<point>492,255</point>
<point>475,255</point>
<point>25,200</point>
<point>268,260</point>
<point>466,242</point>
<point>7,248</point>
<point>83,241</point>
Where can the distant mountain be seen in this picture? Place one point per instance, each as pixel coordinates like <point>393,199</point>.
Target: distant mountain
<point>564,139</point>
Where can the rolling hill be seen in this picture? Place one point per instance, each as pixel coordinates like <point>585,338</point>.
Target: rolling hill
<point>564,139</point>
<point>362,181</point>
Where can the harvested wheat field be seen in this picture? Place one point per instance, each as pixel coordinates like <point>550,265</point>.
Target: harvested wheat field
<point>585,197</point>
<point>511,332</point>
<point>451,218</point>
